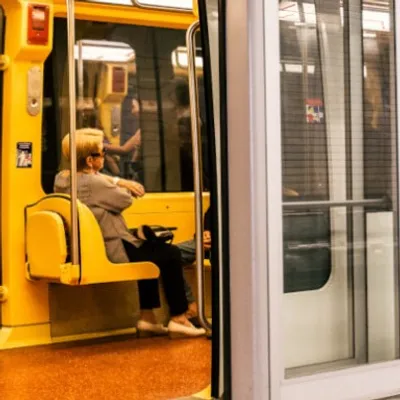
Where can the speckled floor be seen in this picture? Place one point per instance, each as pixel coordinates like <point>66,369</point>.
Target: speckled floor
<point>142,369</point>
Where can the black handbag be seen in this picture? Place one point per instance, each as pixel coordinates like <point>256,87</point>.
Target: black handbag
<point>154,233</point>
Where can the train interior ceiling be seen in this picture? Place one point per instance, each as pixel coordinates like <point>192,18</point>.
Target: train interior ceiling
<point>132,83</point>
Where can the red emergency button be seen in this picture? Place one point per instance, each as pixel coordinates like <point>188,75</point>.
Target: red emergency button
<point>38,24</point>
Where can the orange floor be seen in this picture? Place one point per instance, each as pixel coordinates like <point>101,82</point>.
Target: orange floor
<point>145,369</point>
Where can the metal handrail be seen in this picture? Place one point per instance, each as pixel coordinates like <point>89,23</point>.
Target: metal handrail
<point>72,132</point>
<point>197,167</point>
<point>80,82</point>
<point>136,3</point>
<point>330,204</point>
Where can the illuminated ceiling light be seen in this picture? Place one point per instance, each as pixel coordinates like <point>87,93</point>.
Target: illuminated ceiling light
<point>186,5</point>
<point>103,51</point>
<point>309,13</point>
<point>298,68</point>
<point>180,59</point>
<point>289,11</point>
<point>115,2</point>
<point>376,20</point>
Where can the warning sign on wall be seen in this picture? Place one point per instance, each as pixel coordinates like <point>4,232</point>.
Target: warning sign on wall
<point>24,155</point>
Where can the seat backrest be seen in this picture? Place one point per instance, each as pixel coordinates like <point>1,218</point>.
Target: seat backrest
<point>46,244</point>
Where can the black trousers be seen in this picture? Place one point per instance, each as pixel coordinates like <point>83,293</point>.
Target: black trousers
<point>168,259</point>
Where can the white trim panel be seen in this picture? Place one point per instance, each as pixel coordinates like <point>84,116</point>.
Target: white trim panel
<point>247,198</point>
<point>363,383</point>
<point>274,194</point>
<point>381,287</point>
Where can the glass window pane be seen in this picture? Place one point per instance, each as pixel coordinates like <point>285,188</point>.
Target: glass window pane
<point>307,256</point>
<point>340,194</point>
<point>132,84</point>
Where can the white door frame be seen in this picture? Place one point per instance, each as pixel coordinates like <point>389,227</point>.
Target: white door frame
<point>247,198</point>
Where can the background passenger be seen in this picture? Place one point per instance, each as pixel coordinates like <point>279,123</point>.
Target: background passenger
<point>132,145</point>
<point>107,197</point>
<point>188,254</point>
<point>128,151</point>
<point>182,105</point>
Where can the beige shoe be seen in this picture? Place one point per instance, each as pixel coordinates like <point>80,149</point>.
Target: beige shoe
<point>147,329</point>
<point>177,331</point>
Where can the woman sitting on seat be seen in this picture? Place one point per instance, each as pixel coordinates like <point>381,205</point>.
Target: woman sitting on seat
<point>107,197</point>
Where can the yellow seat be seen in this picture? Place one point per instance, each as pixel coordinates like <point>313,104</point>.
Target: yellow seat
<point>47,247</point>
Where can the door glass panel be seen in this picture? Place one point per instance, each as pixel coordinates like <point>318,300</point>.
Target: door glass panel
<point>339,175</point>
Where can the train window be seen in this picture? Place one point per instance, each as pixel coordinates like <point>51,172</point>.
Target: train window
<point>131,83</point>
<point>340,178</point>
<point>337,118</point>
<point>307,263</point>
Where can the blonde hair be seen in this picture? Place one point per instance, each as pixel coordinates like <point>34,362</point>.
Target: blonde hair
<point>88,141</point>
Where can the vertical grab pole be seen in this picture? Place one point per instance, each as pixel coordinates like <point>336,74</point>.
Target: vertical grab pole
<point>80,83</point>
<point>197,168</point>
<point>72,131</point>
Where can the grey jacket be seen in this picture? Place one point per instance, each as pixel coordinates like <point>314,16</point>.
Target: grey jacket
<point>106,201</point>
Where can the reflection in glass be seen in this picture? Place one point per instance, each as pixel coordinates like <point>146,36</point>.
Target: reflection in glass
<point>132,84</point>
<point>104,51</point>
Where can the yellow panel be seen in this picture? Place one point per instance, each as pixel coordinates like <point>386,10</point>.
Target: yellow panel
<point>17,46</point>
<point>126,15</point>
<point>46,244</point>
<point>23,336</point>
<point>168,210</point>
<point>196,8</point>
<point>28,301</point>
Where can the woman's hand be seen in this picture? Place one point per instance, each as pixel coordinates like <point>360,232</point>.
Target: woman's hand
<point>135,188</point>
<point>207,240</point>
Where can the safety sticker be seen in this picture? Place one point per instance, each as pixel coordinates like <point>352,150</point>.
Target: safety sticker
<point>24,155</point>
